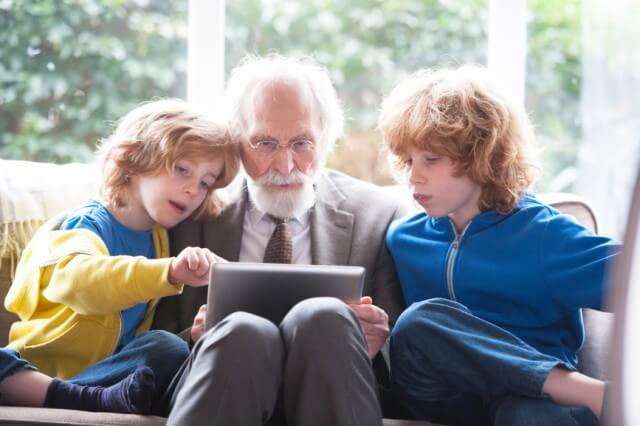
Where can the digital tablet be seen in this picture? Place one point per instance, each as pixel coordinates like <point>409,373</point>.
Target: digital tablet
<point>270,290</point>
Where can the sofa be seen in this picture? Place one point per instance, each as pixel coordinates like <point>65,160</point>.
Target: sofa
<point>31,192</point>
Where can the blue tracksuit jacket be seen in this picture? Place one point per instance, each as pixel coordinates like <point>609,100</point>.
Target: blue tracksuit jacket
<point>529,272</point>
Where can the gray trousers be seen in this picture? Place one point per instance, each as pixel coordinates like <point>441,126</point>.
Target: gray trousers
<point>313,367</point>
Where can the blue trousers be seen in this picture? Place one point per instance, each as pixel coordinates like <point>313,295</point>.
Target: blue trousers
<point>449,366</point>
<point>11,363</point>
<point>160,350</point>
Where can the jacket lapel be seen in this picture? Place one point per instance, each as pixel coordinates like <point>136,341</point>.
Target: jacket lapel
<point>224,234</point>
<point>331,227</point>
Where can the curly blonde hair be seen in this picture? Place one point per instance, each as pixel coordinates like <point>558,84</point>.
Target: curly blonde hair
<point>150,140</point>
<point>461,114</point>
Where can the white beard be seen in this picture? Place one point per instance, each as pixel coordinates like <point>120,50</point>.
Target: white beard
<point>282,203</point>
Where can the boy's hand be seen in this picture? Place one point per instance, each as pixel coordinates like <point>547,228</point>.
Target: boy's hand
<point>374,322</point>
<point>197,329</point>
<point>192,265</point>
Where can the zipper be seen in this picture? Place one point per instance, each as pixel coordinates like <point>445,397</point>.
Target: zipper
<point>453,252</point>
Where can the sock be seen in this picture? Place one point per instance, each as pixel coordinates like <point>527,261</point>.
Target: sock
<point>130,395</point>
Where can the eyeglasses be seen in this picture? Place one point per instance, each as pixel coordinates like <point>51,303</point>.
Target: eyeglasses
<point>298,147</point>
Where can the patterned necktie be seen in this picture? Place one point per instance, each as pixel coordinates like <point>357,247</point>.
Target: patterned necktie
<point>279,247</point>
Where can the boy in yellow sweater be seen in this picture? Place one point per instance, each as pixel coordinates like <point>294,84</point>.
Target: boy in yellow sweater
<point>87,284</point>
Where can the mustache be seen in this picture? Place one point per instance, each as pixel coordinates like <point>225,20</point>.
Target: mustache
<point>274,178</point>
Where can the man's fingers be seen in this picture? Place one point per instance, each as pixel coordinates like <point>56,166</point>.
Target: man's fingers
<point>375,329</point>
<point>370,313</point>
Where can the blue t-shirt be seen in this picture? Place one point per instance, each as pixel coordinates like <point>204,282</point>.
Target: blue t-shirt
<point>119,240</point>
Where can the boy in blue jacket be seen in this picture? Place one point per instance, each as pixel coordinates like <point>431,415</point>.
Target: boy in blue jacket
<point>88,282</point>
<point>495,279</point>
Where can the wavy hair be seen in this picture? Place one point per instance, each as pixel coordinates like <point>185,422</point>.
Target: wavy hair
<point>150,140</point>
<point>461,114</point>
<point>254,73</point>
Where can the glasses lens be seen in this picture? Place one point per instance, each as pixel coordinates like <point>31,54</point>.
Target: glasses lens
<point>302,147</point>
<point>266,147</point>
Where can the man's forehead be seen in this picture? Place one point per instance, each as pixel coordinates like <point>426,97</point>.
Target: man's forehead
<point>283,94</point>
<point>284,108</point>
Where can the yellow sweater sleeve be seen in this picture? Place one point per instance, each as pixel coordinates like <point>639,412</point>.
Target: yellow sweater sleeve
<point>73,268</point>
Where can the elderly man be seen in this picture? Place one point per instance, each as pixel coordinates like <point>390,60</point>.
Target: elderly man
<point>314,367</point>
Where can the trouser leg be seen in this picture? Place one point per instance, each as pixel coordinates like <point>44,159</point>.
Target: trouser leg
<point>11,363</point>
<point>328,379</point>
<point>522,411</point>
<point>162,351</point>
<point>232,375</point>
<point>448,365</point>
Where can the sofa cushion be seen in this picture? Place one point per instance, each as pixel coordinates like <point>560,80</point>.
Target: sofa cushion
<point>48,416</point>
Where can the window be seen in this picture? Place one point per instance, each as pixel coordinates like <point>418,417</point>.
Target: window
<point>69,68</point>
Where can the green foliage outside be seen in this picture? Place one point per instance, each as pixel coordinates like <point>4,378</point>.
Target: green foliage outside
<point>70,67</point>
<point>368,46</point>
<point>553,85</point>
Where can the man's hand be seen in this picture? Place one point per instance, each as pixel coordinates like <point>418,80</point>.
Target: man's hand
<point>374,322</point>
<point>197,329</point>
<point>192,265</point>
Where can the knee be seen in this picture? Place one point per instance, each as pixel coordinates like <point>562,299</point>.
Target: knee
<point>165,345</point>
<point>241,332</point>
<point>420,328</point>
<point>320,315</point>
<point>418,320</point>
<point>318,323</point>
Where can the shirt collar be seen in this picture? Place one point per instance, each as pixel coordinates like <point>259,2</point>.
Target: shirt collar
<point>256,216</point>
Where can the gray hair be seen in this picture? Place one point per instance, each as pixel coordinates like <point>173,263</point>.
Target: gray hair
<point>255,72</point>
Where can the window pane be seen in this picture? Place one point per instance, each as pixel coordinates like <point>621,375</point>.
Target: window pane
<point>583,92</point>
<point>554,77</point>
<point>368,46</point>
<point>70,68</point>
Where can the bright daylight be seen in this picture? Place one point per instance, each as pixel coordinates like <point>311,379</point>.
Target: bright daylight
<point>320,212</point>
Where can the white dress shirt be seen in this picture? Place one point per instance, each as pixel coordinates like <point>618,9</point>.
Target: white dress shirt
<point>257,229</point>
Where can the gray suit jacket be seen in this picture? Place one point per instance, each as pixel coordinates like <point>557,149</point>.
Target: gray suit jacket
<point>348,226</point>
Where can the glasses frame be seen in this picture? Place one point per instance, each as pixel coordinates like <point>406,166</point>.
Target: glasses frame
<point>288,146</point>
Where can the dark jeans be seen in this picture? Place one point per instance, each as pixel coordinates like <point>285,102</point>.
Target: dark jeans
<point>449,366</point>
<point>11,363</point>
<point>164,352</point>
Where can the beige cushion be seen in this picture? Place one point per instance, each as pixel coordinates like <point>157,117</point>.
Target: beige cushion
<point>31,193</point>
<point>48,416</point>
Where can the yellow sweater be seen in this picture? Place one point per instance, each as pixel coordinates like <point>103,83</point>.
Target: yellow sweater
<point>68,293</point>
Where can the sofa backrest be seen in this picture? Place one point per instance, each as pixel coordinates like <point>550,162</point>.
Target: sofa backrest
<point>32,192</point>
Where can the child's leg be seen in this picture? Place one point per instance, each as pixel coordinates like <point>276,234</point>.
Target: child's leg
<point>133,394</point>
<point>440,350</point>
<point>572,388</point>
<point>22,385</point>
<point>26,388</point>
<point>160,350</point>
<point>522,411</point>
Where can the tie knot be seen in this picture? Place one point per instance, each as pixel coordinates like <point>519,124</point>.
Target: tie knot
<point>278,220</point>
